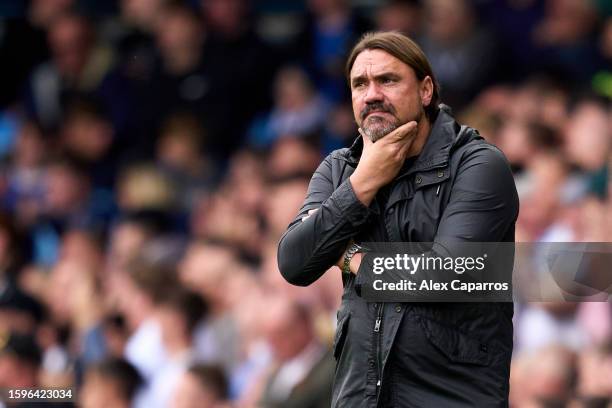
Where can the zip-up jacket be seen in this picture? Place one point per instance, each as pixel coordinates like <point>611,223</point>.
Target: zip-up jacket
<point>460,188</point>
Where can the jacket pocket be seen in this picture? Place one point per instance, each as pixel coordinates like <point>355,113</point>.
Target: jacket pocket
<point>341,333</point>
<point>455,345</point>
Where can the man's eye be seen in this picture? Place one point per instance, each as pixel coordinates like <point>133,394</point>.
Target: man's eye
<point>358,84</point>
<point>387,80</point>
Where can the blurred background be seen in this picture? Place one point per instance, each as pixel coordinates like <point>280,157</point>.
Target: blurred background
<point>152,152</point>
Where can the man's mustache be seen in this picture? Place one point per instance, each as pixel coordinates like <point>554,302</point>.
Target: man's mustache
<point>377,107</point>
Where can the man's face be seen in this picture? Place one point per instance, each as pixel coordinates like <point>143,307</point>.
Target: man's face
<point>386,93</point>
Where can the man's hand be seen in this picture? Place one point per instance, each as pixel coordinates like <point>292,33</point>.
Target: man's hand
<point>381,161</point>
<point>310,212</point>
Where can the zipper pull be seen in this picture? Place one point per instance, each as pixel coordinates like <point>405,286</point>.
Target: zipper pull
<point>377,325</point>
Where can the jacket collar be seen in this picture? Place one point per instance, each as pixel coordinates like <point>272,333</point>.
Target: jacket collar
<point>436,151</point>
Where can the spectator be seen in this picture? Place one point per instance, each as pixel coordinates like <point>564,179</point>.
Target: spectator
<point>110,383</point>
<point>329,30</point>
<point>181,154</point>
<point>298,109</point>
<point>400,15</point>
<point>202,386</point>
<point>453,42</point>
<point>177,312</point>
<point>24,172</point>
<point>19,362</point>
<point>140,287</point>
<point>295,349</point>
<point>78,66</point>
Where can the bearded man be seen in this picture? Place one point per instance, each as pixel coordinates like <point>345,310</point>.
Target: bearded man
<point>413,175</point>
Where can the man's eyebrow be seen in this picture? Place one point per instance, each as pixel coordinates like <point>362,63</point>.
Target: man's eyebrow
<point>382,75</point>
<point>387,74</point>
<point>358,78</point>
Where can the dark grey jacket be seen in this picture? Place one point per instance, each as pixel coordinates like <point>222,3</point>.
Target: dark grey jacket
<point>423,354</point>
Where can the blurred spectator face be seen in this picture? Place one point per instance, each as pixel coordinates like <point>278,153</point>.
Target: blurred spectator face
<point>179,146</point>
<point>132,302</point>
<point>15,373</point>
<point>514,142</point>
<point>566,22</point>
<point>402,16</point>
<point>448,21</point>
<point>606,39</point>
<point>324,7</point>
<point>76,279</point>
<point>287,329</point>
<point>16,320</point>
<point>178,312</point>
<point>79,246</point>
<point>44,12</point>
<point>180,39</point>
<point>283,202</point>
<point>293,89</point>
<point>225,16</point>
<point>176,150</point>
<point>127,241</point>
<point>192,393</point>
<point>388,105</point>
<point>205,269</point>
<point>109,383</point>
<point>29,146</point>
<point>142,13</point>
<point>66,189</point>
<point>549,375</point>
<point>19,361</point>
<point>587,136</point>
<point>595,372</point>
<point>70,43</point>
<point>541,202</point>
<point>100,392</point>
<point>291,156</point>
<point>87,135</point>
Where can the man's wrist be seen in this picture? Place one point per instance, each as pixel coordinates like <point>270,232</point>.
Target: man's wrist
<point>364,190</point>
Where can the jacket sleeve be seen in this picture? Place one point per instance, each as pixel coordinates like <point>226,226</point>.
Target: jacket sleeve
<point>308,248</point>
<point>483,203</point>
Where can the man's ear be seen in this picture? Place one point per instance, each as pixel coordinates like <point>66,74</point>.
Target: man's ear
<point>426,90</point>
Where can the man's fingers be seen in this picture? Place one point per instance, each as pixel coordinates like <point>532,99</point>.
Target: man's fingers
<point>407,129</point>
<point>366,140</point>
<point>310,212</point>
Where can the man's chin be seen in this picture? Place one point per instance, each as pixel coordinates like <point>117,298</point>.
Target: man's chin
<point>377,132</point>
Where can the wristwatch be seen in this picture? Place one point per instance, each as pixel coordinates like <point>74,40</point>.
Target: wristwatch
<point>348,255</point>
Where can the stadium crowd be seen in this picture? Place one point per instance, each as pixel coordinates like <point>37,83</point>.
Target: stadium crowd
<point>154,151</point>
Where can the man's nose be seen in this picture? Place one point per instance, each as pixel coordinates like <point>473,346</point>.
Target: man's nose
<point>373,93</point>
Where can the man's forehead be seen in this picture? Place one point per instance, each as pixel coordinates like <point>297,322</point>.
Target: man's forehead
<point>375,60</point>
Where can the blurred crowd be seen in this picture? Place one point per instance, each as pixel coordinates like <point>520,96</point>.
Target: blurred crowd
<point>152,152</point>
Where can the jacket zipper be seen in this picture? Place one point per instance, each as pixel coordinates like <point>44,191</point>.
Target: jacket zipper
<point>377,331</point>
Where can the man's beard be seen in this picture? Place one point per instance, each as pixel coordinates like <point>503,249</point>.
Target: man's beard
<point>377,127</point>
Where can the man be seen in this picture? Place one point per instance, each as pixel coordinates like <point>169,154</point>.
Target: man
<point>413,175</point>
<point>201,386</point>
<point>301,374</point>
<point>111,382</point>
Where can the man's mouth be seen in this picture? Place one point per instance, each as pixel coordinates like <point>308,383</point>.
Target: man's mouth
<point>377,115</point>
<point>378,108</point>
<point>377,112</point>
